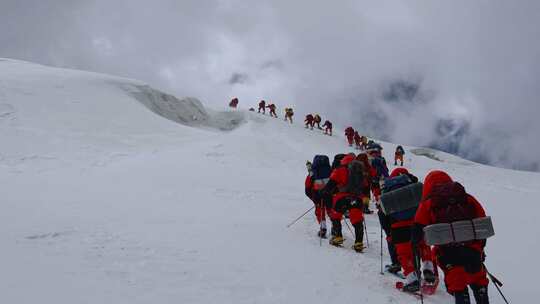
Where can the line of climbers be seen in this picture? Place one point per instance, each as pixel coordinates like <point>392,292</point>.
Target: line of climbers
<point>361,142</point>
<point>406,210</point>
<point>310,120</point>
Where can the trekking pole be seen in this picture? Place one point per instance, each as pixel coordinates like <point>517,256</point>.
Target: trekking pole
<point>346,223</point>
<point>382,273</point>
<point>416,257</point>
<point>497,284</point>
<point>301,216</point>
<point>365,232</point>
<point>320,223</point>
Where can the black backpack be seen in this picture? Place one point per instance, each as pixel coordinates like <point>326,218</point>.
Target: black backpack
<point>321,167</point>
<point>449,203</point>
<point>337,160</point>
<point>355,178</point>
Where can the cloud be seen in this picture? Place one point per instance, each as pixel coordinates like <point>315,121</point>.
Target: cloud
<point>459,75</point>
<point>238,78</point>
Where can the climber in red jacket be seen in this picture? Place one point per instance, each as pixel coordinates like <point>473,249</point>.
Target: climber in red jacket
<point>347,183</point>
<point>446,201</point>
<point>272,108</point>
<point>357,140</point>
<point>262,106</point>
<point>327,127</point>
<point>309,121</point>
<point>349,133</point>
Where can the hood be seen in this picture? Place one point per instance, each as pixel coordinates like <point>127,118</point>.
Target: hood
<point>347,159</point>
<point>399,171</point>
<point>433,178</point>
<point>363,157</point>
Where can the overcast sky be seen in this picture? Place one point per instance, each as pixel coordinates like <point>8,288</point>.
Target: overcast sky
<point>470,70</point>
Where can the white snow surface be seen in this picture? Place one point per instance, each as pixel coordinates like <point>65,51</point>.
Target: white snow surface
<point>114,192</point>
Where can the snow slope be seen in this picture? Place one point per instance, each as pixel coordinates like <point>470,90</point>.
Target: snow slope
<point>114,192</point>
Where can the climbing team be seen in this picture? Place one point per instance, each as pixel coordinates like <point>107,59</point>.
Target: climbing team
<point>430,226</point>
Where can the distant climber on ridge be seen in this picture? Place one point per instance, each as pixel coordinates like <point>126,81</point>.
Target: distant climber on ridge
<point>309,121</point>
<point>327,127</point>
<point>349,133</point>
<point>234,103</point>
<point>289,114</point>
<point>357,140</point>
<point>363,142</point>
<point>317,120</point>
<point>262,106</point>
<point>272,108</point>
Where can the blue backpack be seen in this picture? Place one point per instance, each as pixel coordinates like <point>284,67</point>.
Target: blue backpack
<point>321,167</point>
<point>393,183</point>
<point>379,163</point>
<point>373,146</point>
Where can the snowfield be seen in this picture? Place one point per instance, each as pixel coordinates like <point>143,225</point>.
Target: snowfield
<point>114,192</point>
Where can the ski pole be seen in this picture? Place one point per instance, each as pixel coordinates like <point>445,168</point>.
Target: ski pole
<point>301,216</point>
<point>381,253</point>
<point>497,284</point>
<point>365,232</point>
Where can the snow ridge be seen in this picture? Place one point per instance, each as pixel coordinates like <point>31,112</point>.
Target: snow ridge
<point>187,111</point>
